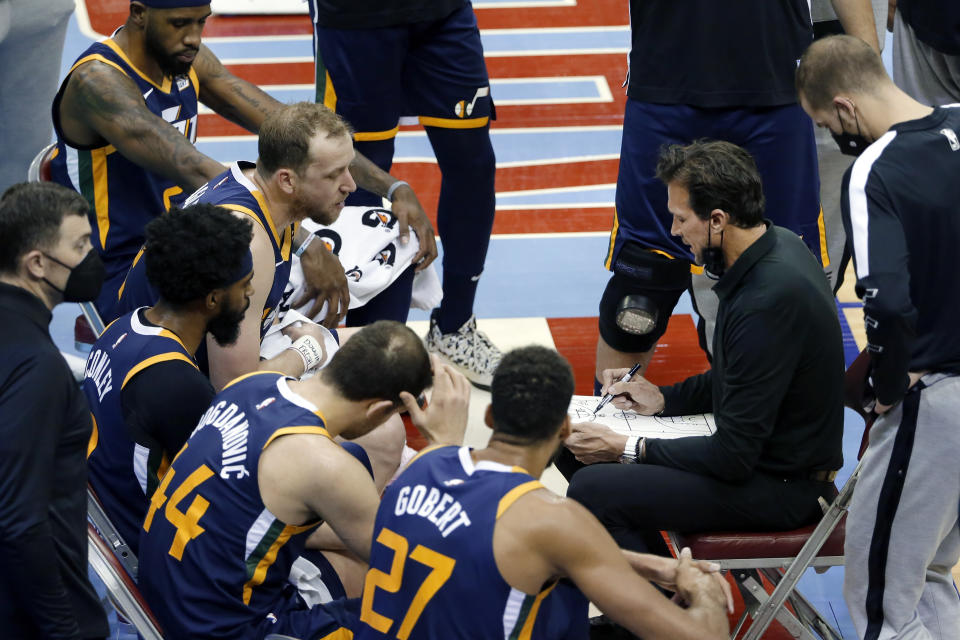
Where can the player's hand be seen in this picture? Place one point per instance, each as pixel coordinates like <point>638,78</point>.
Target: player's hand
<point>324,282</point>
<point>637,394</point>
<point>591,442</point>
<point>406,207</point>
<point>693,583</point>
<point>299,329</point>
<point>445,419</point>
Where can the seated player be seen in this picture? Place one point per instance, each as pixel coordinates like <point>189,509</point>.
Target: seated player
<point>302,172</point>
<point>468,544</point>
<point>261,472</point>
<point>126,120</point>
<point>142,383</point>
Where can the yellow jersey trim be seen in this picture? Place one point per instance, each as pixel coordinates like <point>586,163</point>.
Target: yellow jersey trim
<point>123,285</point>
<point>419,455</point>
<point>165,86</point>
<point>608,263</point>
<point>824,254</point>
<point>98,58</point>
<point>514,494</point>
<point>166,333</point>
<point>286,431</point>
<point>370,136</point>
<point>454,123</point>
<point>195,81</point>
<point>251,374</point>
<point>527,631</point>
<point>94,437</point>
<point>239,208</point>
<point>329,94</point>
<point>163,357</point>
<point>260,573</point>
<point>101,193</point>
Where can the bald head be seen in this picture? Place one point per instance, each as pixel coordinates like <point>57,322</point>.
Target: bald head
<point>838,65</point>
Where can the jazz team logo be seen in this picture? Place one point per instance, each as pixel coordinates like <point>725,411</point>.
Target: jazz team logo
<point>464,109</point>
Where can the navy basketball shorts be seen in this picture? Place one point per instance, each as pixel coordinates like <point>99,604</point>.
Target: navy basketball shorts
<point>781,140</point>
<point>432,70</point>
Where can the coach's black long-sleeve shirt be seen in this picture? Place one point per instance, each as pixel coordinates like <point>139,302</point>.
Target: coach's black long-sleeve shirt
<point>901,212</point>
<point>44,430</point>
<point>775,387</point>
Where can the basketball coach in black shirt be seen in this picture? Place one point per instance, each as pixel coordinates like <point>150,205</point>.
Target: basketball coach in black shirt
<point>45,258</point>
<point>774,387</point>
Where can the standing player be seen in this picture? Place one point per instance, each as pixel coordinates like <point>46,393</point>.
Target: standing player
<point>302,172</point>
<point>727,75</point>
<point>126,120</point>
<point>900,213</point>
<point>468,544</point>
<point>261,471</point>
<point>143,385</point>
<point>377,62</point>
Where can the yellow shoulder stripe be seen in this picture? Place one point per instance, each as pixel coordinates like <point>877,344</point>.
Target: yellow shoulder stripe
<point>514,494</point>
<point>426,450</point>
<point>286,431</point>
<point>249,375</point>
<point>163,357</point>
<point>98,58</point>
<point>94,436</point>
<point>239,208</point>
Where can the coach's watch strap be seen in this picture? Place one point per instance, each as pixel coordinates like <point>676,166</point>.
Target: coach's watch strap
<point>629,454</point>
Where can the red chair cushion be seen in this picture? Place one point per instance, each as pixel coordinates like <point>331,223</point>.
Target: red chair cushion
<point>783,544</point>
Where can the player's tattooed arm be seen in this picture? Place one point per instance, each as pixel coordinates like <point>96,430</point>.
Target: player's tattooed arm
<point>102,104</point>
<point>233,98</point>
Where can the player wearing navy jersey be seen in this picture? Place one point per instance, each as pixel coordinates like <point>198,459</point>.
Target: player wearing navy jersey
<point>142,383</point>
<point>302,172</point>
<point>899,205</point>
<point>125,118</point>
<point>261,472</point>
<point>469,544</point>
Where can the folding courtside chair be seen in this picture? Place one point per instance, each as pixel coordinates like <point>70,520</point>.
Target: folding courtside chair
<point>123,592</point>
<point>783,557</point>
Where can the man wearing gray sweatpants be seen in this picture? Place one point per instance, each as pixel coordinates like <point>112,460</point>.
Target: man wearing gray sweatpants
<point>901,210</point>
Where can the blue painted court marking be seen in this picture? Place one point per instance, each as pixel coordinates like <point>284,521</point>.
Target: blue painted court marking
<point>513,147</point>
<point>506,91</point>
<point>592,196</point>
<point>496,43</point>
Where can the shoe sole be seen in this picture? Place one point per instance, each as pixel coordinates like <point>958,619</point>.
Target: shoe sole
<point>467,373</point>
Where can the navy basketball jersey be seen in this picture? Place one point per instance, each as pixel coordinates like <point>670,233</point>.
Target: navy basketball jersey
<point>123,196</point>
<point>124,473</point>
<point>213,559</point>
<point>231,190</point>
<point>432,569</point>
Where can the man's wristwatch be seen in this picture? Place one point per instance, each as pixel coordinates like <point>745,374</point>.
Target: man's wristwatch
<point>631,450</point>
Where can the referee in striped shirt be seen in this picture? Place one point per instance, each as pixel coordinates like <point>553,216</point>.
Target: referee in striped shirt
<point>901,210</point>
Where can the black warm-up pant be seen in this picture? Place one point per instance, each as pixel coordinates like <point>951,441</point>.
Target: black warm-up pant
<point>636,501</point>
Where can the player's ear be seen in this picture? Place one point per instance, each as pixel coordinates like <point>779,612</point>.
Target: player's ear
<point>138,13</point>
<point>380,410</point>
<point>213,299</point>
<point>564,432</point>
<point>488,416</point>
<point>287,180</point>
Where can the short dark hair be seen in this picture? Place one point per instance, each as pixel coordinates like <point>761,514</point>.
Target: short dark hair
<point>717,175</point>
<point>838,64</point>
<point>284,138</point>
<point>190,252</point>
<point>380,361</point>
<point>530,393</point>
<point>30,218</point>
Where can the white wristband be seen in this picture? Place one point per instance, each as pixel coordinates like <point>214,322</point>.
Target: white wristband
<point>630,449</point>
<point>396,185</point>
<point>303,246</point>
<point>310,350</point>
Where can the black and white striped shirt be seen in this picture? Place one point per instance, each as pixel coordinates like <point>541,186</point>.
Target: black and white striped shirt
<point>901,212</point>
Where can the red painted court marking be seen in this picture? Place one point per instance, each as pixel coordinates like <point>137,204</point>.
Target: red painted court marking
<point>678,356</point>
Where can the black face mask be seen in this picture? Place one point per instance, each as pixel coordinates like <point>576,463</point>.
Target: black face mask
<point>85,279</point>
<point>850,144</point>
<point>713,265</point>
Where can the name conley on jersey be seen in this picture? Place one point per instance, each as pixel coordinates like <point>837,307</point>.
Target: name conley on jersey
<point>98,369</point>
<point>439,508</point>
<point>234,430</point>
